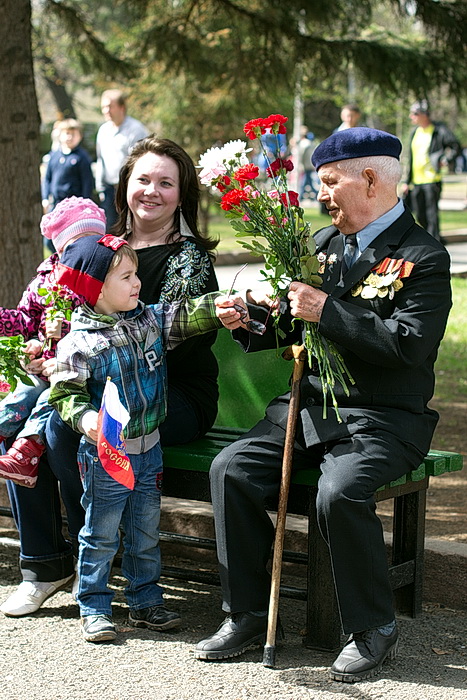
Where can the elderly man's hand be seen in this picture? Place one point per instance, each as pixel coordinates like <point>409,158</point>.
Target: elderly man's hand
<point>306,302</point>
<point>227,315</point>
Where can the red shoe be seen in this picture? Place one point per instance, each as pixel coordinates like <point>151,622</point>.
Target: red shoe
<point>21,463</point>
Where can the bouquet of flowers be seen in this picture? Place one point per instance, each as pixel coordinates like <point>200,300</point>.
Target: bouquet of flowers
<point>60,304</point>
<point>274,225</point>
<point>12,358</point>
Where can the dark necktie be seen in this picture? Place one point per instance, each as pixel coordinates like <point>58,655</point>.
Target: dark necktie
<point>349,252</point>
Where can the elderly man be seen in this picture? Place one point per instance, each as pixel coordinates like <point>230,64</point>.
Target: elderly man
<point>114,141</point>
<point>389,343</point>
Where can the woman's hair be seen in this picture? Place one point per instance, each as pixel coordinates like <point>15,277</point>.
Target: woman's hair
<point>189,188</point>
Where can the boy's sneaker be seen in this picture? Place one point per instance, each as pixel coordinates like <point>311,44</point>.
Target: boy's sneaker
<point>98,628</point>
<point>21,462</point>
<point>155,618</point>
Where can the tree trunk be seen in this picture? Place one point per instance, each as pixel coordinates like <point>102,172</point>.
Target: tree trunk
<point>20,209</point>
<point>55,82</point>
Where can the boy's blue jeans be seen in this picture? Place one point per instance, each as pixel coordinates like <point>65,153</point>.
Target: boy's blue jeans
<point>108,506</point>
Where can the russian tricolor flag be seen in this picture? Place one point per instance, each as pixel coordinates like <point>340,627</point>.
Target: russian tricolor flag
<point>113,417</point>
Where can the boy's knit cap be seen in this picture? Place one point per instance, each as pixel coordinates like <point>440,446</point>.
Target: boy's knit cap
<point>70,218</point>
<point>358,142</point>
<point>85,263</point>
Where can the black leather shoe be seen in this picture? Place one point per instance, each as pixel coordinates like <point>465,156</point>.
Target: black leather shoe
<point>236,634</point>
<point>363,655</point>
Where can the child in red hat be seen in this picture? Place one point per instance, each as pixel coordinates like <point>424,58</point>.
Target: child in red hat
<point>116,341</point>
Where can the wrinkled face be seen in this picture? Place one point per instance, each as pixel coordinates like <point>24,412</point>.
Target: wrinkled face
<point>120,291</point>
<point>153,192</point>
<point>112,110</point>
<point>345,198</point>
<point>70,138</point>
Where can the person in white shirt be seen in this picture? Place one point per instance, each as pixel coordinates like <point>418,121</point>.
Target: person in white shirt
<point>114,142</point>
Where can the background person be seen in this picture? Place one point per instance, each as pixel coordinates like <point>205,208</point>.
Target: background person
<point>389,343</point>
<point>430,144</point>
<point>68,172</point>
<point>350,116</point>
<point>175,262</point>
<point>114,141</point>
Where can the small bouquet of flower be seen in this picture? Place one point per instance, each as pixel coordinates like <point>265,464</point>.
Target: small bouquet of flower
<point>274,224</point>
<point>12,359</point>
<point>60,308</point>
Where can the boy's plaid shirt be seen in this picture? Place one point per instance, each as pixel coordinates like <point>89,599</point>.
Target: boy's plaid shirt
<point>130,348</point>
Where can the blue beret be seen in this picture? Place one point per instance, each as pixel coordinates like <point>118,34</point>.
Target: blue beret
<point>357,142</point>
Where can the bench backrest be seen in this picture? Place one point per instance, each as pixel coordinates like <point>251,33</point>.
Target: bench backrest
<point>247,382</point>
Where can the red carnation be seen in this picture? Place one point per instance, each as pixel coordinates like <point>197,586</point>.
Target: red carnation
<point>223,183</point>
<point>276,122</point>
<point>245,173</point>
<point>293,198</point>
<point>254,128</point>
<point>277,164</point>
<point>233,199</point>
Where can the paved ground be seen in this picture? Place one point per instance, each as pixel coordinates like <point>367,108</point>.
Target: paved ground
<point>43,657</point>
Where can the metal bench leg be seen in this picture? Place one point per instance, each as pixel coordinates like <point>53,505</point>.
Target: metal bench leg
<point>408,545</point>
<point>323,628</point>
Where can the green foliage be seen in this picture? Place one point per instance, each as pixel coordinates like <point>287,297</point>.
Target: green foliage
<point>12,356</point>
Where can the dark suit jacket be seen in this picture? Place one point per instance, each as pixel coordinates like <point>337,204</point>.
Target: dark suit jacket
<point>389,346</point>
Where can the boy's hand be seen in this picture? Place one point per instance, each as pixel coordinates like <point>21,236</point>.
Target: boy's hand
<point>260,298</point>
<point>227,315</point>
<point>48,368</point>
<point>89,424</point>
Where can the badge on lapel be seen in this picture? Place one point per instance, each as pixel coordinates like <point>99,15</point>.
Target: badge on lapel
<point>385,279</point>
<point>324,260</point>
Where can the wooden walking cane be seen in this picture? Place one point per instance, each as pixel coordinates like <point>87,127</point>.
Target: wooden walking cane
<point>297,352</point>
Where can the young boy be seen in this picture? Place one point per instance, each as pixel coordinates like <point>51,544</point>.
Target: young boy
<point>115,336</point>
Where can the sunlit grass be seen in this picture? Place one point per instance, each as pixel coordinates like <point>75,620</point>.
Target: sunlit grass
<point>451,366</point>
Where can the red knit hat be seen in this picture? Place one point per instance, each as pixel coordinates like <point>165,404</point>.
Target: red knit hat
<point>85,263</point>
<point>72,217</point>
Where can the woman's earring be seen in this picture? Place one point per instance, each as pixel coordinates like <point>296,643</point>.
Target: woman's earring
<point>128,223</point>
<point>185,231</point>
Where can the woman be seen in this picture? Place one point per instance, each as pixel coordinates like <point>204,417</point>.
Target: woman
<point>157,200</point>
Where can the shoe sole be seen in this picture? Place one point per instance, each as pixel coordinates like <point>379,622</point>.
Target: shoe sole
<point>207,655</point>
<point>30,612</point>
<point>355,678</point>
<point>26,481</point>
<point>170,625</point>
<point>104,636</point>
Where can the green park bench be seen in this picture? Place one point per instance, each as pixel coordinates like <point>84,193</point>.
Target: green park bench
<point>247,382</point>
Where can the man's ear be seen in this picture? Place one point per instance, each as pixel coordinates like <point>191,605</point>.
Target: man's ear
<point>371,179</point>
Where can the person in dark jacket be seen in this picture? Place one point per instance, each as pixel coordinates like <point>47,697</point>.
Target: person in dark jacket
<point>68,170</point>
<point>430,142</point>
<point>389,341</point>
